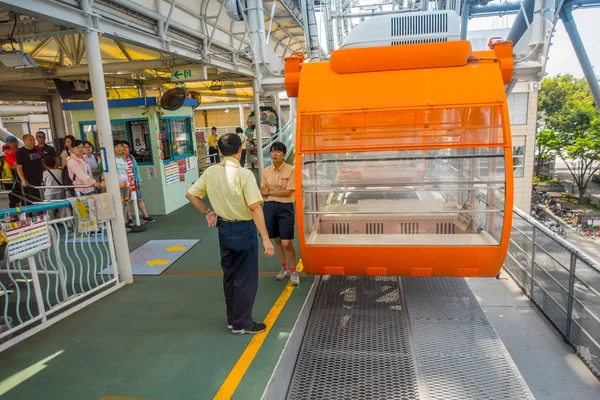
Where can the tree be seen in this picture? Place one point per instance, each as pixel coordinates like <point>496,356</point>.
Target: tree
<point>569,126</point>
<point>545,141</point>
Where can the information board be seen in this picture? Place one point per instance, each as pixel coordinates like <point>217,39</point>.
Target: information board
<point>171,172</point>
<point>27,237</point>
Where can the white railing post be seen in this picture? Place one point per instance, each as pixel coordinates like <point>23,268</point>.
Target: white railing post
<point>59,264</point>
<point>111,247</point>
<point>37,288</point>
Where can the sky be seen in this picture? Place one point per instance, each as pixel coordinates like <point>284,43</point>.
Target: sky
<point>562,58</point>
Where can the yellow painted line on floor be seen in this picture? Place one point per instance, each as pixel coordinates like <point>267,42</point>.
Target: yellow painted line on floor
<point>239,370</point>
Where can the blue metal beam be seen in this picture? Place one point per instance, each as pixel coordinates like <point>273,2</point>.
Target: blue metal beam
<point>501,9</point>
<point>575,4</point>
<point>522,22</point>
<point>588,70</point>
<point>514,7</point>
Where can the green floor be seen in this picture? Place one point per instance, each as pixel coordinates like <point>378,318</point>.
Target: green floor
<point>163,337</point>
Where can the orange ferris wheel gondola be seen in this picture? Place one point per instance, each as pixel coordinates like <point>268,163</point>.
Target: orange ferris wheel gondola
<point>404,160</point>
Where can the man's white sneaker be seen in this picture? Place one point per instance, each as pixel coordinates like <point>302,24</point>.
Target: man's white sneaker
<point>295,279</point>
<point>284,273</point>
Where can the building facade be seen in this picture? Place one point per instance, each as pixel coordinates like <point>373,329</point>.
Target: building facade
<point>522,107</point>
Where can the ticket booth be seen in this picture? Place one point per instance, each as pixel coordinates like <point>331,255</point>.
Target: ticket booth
<point>162,142</point>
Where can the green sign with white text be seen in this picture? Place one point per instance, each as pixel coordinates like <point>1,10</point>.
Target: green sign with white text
<point>188,73</point>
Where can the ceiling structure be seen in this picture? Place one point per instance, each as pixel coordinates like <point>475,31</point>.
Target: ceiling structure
<point>142,42</point>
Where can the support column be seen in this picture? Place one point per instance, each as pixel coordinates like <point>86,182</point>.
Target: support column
<point>257,128</point>
<point>464,19</point>
<point>57,118</point>
<point>92,46</point>
<point>588,70</point>
<point>328,22</point>
<point>293,103</point>
<point>242,122</point>
<point>278,109</point>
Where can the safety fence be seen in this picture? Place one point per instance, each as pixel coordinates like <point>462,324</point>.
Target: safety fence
<point>561,280</point>
<point>50,270</point>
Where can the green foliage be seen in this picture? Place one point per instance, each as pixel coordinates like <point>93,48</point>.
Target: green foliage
<point>569,197</point>
<point>569,126</point>
<point>543,179</point>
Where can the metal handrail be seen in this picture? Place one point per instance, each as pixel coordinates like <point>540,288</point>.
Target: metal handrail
<point>557,238</point>
<point>547,293</point>
<point>67,271</point>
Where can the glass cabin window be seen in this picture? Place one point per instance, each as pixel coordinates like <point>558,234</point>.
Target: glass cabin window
<point>473,126</point>
<point>405,197</point>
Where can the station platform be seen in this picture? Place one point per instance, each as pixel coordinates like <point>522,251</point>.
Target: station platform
<point>166,337</point>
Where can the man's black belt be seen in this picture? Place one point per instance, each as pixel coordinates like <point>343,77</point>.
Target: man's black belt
<point>232,222</point>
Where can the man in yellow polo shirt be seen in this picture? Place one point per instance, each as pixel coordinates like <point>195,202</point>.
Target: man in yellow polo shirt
<point>235,196</point>
<point>213,146</point>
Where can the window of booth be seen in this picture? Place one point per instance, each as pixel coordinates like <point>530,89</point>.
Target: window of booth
<point>135,131</point>
<point>449,196</point>
<point>176,137</point>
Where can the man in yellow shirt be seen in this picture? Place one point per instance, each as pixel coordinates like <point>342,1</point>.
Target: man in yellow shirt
<point>213,147</point>
<point>236,199</point>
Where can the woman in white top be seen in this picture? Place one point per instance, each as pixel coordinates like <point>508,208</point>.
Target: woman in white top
<point>92,160</point>
<point>80,171</point>
<point>68,151</point>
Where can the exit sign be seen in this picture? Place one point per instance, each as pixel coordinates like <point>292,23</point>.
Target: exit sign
<point>188,73</point>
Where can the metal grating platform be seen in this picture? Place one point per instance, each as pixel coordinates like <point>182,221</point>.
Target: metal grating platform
<point>459,354</point>
<point>356,344</point>
<point>409,338</point>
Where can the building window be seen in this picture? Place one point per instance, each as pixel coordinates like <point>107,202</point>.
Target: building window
<point>139,137</point>
<point>134,132</point>
<point>519,161</point>
<point>176,137</point>
<point>517,108</point>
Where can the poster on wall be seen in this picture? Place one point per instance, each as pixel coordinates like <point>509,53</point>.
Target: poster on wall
<point>151,173</point>
<point>27,237</point>
<point>160,146</point>
<point>191,163</point>
<point>182,165</point>
<point>171,173</point>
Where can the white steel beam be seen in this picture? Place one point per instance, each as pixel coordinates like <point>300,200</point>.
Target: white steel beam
<point>125,30</point>
<point>28,74</point>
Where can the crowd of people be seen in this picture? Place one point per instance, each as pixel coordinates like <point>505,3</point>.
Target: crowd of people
<point>35,172</point>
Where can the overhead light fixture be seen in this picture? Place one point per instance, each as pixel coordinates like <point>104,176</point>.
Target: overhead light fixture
<point>17,59</point>
<point>227,111</point>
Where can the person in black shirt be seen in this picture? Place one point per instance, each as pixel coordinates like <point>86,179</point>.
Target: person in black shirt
<point>30,168</point>
<point>46,149</point>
